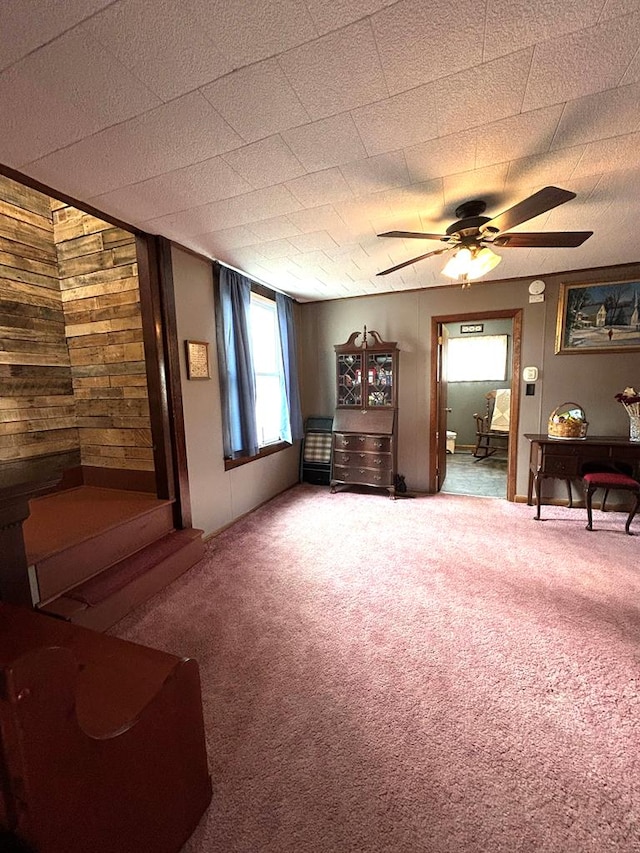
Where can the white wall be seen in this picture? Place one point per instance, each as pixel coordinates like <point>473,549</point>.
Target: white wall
<point>217,496</point>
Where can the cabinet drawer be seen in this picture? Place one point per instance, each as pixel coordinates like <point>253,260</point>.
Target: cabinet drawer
<point>355,458</point>
<point>364,476</point>
<point>561,466</point>
<point>354,441</point>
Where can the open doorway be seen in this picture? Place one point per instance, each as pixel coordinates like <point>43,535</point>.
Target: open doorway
<point>475,367</point>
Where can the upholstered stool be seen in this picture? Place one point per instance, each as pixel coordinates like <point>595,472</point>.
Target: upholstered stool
<point>610,480</point>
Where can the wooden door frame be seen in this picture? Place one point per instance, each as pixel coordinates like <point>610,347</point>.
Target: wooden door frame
<point>515,315</point>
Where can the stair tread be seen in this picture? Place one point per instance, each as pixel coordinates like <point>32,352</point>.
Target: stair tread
<point>61,520</point>
<point>112,579</point>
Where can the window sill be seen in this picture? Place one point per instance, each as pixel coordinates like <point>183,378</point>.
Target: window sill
<point>229,464</point>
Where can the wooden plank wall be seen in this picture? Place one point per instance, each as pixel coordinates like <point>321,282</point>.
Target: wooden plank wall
<point>103,328</point>
<point>37,415</point>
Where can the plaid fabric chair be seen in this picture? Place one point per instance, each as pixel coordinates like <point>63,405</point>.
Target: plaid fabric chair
<point>315,453</point>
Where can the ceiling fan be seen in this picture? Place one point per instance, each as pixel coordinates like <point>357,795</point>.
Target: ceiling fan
<point>471,237</point>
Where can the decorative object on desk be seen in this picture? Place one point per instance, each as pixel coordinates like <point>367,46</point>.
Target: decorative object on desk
<point>603,317</point>
<point>568,421</point>
<point>197,359</point>
<point>630,399</point>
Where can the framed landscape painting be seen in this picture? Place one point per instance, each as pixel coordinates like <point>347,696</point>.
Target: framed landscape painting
<point>599,317</point>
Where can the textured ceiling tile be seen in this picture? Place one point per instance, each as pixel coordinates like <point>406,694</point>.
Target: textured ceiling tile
<point>314,241</point>
<point>252,30</point>
<point>325,143</point>
<point>274,249</point>
<point>514,24</point>
<point>484,94</point>
<point>26,26</point>
<point>185,188</point>
<point>616,8</point>
<point>139,148</point>
<point>265,163</point>
<point>228,238</point>
<point>632,74</point>
<point>609,155</point>
<point>320,188</point>
<point>610,113</point>
<point>318,71</point>
<point>558,68</point>
<point>398,122</point>
<point>316,218</point>
<point>517,136</point>
<point>443,156</point>
<point>554,168</point>
<point>415,41</point>
<point>274,229</point>
<point>376,173</point>
<point>487,183</point>
<point>331,15</point>
<point>39,113</point>
<point>228,213</point>
<point>257,101</point>
<point>164,44</point>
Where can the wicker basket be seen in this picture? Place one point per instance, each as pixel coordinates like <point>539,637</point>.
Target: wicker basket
<point>568,421</point>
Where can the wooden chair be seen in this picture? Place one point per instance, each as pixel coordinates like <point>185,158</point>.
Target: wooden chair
<point>489,441</point>
<point>101,741</point>
<point>609,476</point>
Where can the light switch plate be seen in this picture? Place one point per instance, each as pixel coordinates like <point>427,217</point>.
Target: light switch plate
<point>536,297</point>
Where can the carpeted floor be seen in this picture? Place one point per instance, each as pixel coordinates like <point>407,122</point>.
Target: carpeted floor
<point>442,674</point>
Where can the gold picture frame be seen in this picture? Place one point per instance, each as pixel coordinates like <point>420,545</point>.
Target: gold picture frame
<point>197,360</point>
<point>598,317</point>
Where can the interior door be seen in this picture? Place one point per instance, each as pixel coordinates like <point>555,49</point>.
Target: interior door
<point>441,403</point>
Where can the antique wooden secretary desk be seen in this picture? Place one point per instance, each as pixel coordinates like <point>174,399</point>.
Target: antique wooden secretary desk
<point>364,448</point>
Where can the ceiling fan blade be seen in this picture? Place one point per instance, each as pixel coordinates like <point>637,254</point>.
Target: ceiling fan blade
<point>545,199</point>
<point>418,235</point>
<point>552,239</point>
<point>414,260</point>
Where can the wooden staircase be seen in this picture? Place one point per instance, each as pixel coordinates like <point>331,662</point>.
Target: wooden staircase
<point>94,553</point>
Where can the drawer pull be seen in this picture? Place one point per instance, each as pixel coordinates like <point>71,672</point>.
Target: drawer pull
<point>377,444</point>
<point>362,438</point>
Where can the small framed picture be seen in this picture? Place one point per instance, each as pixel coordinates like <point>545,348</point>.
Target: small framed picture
<point>471,328</point>
<point>197,360</point>
<point>603,317</point>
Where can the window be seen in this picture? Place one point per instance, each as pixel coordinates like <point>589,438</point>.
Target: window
<point>478,358</point>
<point>267,361</point>
<point>255,330</point>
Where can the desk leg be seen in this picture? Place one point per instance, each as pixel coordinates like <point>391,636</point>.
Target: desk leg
<point>570,494</point>
<point>536,483</point>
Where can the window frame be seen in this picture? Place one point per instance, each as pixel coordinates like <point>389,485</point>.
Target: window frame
<point>267,449</point>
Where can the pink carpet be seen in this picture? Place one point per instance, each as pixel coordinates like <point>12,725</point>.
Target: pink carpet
<point>442,674</point>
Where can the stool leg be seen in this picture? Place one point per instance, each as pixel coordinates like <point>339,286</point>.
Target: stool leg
<point>604,499</point>
<point>588,493</point>
<point>632,514</point>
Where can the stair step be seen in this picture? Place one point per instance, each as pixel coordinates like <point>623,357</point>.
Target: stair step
<point>105,598</point>
<point>73,535</point>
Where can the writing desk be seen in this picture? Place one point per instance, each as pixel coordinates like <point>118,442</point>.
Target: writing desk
<point>565,458</point>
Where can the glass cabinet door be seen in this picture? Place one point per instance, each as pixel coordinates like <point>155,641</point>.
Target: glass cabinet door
<point>380,379</point>
<point>350,379</point>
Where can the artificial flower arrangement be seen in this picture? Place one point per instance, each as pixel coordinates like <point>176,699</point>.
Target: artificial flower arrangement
<point>630,399</point>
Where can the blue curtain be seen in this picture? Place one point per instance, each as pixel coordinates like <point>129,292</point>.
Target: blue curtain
<point>291,416</point>
<point>240,435</point>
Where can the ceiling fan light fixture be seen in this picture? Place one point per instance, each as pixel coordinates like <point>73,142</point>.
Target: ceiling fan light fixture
<point>469,264</point>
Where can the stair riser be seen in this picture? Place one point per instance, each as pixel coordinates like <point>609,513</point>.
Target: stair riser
<point>67,569</point>
<point>105,614</point>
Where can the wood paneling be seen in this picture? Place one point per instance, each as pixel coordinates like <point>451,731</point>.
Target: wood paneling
<point>103,328</point>
<point>37,413</point>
